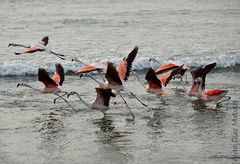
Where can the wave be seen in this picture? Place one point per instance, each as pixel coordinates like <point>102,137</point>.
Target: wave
<point>16,68</point>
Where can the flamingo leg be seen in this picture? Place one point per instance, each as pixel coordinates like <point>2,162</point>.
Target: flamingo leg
<point>227,98</point>
<point>127,106</point>
<point>138,99</point>
<point>186,79</point>
<point>65,101</point>
<point>179,83</point>
<point>58,55</point>
<point>161,98</point>
<point>54,101</point>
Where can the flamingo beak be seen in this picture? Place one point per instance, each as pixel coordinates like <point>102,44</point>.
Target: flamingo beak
<point>81,75</point>
<point>18,85</point>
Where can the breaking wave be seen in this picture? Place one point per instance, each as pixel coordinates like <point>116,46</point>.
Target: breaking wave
<point>16,68</point>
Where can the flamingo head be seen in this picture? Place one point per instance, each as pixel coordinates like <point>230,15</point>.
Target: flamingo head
<point>21,84</point>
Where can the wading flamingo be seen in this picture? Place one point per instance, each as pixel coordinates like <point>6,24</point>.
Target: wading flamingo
<point>50,84</point>
<point>114,82</point>
<point>155,85</point>
<point>213,94</point>
<point>199,72</point>
<point>169,66</point>
<point>40,46</point>
<point>101,103</point>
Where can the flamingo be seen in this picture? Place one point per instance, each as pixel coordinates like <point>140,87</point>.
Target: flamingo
<point>50,84</point>
<point>213,94</point>
<point>124,67</point>
<point>116,83</point>
<point>40,46</point>
<point>101,102</point>
<point>155,85</point>
<point>199,72</point>
<point>169,66</point>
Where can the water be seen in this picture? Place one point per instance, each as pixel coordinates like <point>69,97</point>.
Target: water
<point>185,130</point>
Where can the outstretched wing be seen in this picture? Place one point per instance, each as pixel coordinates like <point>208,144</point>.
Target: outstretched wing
<point>125,65</point>
<point>202,72</point>
<point>91,67</point>
<point>43,76</point>
<point>152,79</point>
<point>58,75</point>
<point>166,77</point>
<point>112,75</point>
<point>165,67</point>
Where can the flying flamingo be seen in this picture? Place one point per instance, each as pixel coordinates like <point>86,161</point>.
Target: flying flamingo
<point>101,103</point>
<point>199,72</point>
<point>124,67</point>
<point>169,66</point>
<point>40,46</point>
<point>50,84</point>
<point>213,94</point>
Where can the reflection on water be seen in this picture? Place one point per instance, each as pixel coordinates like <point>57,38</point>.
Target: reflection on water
<point>53,137</point>
<point>114,145</point>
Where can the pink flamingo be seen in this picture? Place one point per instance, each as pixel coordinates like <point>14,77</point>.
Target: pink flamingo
<point>50,84</point>
<point>157,85</point>
<point>116,83</point>
<point>211,95</point>
<point>40,46</point>
<point>124,67</point>
<point>199,72</point>
<point>170,66</point>
<point>101,103</point>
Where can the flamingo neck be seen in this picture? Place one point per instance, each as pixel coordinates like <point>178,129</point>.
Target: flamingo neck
<point>26,85</point>
<point>144,86</point>
<point>84,102</point>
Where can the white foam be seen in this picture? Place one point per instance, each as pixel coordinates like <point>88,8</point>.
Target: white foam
<point>18,68</point>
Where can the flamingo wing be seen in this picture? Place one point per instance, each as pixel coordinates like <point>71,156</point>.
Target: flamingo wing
<point>112,75</point>
<point>165,67</point>
<point>58,75</point>
<point>152,79</point>
<point>89,68</point>
<point>125,65</point>
<point>166,77</point>
<point>214,92</point>
<point>202,72</point>
<point>43,76</point>
<point>103,96</point>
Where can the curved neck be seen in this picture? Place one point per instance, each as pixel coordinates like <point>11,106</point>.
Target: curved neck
<point>144,86</point>
<point>84,102</point>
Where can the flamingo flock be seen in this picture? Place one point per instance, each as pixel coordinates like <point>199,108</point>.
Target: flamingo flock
<point>114,79</point>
